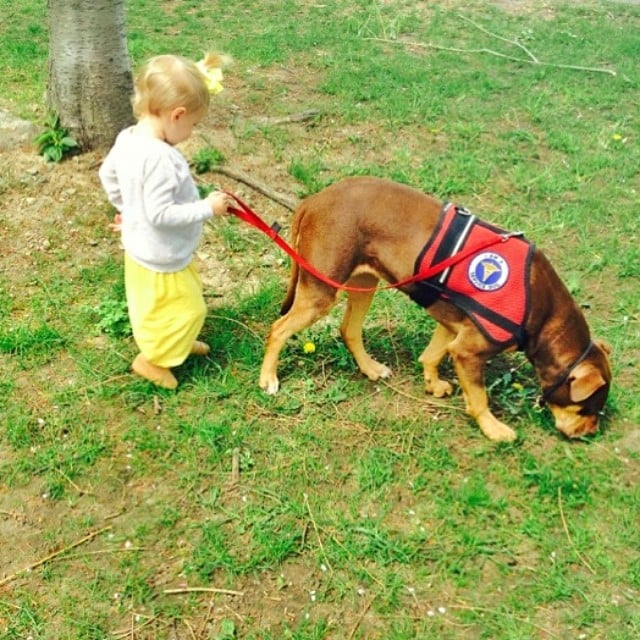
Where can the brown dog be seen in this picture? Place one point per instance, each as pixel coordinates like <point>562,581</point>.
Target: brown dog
<point>361,230</point>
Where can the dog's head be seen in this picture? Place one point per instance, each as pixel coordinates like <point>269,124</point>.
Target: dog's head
<point>578,402</point>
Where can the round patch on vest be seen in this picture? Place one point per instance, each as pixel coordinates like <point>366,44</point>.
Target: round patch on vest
<point>488,271</point>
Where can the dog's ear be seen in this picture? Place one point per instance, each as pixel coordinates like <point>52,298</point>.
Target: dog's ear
<point>585,380</point>
<point>605,346</point>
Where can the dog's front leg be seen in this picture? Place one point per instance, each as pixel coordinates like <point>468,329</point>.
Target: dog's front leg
<point>431,357</point>
<point>469,364</point>
<point>358,304</point>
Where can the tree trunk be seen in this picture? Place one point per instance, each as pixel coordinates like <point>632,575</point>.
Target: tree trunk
<point>90,80</point>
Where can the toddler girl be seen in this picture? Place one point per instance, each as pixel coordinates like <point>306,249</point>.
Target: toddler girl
<point>161,213</point>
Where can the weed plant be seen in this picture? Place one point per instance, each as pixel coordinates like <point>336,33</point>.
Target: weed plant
<point>339,508</point>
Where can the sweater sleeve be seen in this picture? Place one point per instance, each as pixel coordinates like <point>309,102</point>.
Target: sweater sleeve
<point>164,187</point>
<point>109,180</point>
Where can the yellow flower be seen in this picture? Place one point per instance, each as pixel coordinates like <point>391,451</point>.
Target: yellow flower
<point>617,137</point>
<point>309,347</point>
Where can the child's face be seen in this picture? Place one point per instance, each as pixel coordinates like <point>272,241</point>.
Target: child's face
<point>179,124</point>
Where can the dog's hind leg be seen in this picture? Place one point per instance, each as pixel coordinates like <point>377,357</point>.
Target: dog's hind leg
<point>358,303</point>
<point>431,357</point>
<point>308,306</point>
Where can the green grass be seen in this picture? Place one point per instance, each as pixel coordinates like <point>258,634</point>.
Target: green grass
<point>337,508</point>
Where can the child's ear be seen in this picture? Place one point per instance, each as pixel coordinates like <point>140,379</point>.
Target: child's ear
<point>177,113</point>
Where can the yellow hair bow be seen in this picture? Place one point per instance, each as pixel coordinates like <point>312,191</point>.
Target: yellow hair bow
<point>212,76</point>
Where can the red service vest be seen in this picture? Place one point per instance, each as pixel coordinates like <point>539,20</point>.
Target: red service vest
<point>491,287</point>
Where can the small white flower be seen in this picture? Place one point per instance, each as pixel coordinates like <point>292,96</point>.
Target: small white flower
<point>442,610</point>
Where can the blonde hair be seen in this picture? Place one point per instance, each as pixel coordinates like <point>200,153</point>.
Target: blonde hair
<point>166,82</point>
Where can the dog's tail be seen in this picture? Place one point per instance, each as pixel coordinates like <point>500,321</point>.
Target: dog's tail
<point>291,292</point>
<point>295,269</point>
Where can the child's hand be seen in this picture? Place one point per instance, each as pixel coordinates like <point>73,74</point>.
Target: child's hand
<point>116,225</point>
<point>218,202</point>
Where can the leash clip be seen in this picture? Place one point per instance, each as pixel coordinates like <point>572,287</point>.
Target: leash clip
<point>275,229</point>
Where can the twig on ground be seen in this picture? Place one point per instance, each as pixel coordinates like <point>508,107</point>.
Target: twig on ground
<point>187,624</point>
<point>433,403</point>
<point>494,35</point>
<point>206,619</point>
<point>429,45</point>
<point>130,632</point>
<point>566,530</point>
<point>315,528</point>
<point>226,592</point>
<point>241,324</point>
<point>363,613</point>
<point>303,116</point>
<point>53,555</point>
<point>235,466</point>
<point>530,59</point>
<point>82,492</point>
<point>260,187</point>
<point>99,552</point>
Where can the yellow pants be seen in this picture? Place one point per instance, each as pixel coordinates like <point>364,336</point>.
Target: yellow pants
<point>166,310</point>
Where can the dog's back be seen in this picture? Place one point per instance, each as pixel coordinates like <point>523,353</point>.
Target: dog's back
<point>373,224</point>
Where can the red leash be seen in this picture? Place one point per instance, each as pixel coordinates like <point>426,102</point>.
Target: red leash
<point>245,213</point>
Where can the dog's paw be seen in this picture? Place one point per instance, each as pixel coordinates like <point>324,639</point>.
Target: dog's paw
<point>270,386</point>
<point>504,434</point>
<point>438,388</point>
<point>377,371</point>
<point>495,430</point>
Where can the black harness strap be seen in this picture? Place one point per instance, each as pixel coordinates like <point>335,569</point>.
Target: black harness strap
<point>549,391</point>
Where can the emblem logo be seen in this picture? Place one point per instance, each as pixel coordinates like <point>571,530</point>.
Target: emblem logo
<point>488,271</point>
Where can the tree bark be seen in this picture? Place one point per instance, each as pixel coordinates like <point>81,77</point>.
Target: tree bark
<point>90,80</point>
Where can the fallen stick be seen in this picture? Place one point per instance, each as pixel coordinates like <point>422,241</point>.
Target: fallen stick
<point>363,613</point>
<point>566,530</point>
<point>283,200</point>
<point>226,592</point>
<point>235,466</point>
<point>303,116</point>
<point>53,555</point>
<point>429,45</point>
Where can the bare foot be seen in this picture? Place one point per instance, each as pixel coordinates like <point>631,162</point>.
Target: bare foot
<point>200,348</point>
<point>158,375</point>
